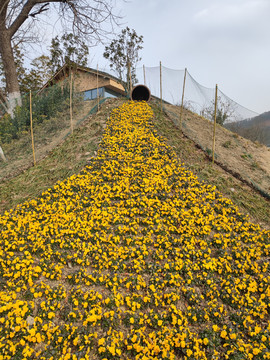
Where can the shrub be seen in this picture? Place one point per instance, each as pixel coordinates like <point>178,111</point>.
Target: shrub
<point>44,105</point>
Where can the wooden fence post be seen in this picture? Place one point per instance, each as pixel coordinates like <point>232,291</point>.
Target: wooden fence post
<point>160,68</point>
<point>144,77</point>
<point>31,127</point>
<point>214,132</point>
<point>70,102</point>
<point>182,104</point>
<point>97,91</point>
<point>129,79</point>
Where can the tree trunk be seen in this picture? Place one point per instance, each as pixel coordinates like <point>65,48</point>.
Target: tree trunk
<point>13,89</point>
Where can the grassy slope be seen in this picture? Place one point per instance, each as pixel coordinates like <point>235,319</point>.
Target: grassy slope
<point>66,159</point>
<point>135,257</point>
<point>248,200</point>
<point>71,156</point>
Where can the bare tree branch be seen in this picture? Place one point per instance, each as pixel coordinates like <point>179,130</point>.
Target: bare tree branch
<point>24,14</point>
<point>42,9</point>
<point>84,17</point>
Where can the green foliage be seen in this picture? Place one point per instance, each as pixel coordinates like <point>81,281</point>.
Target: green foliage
<point>68,49</point>
<point>44,106</point>
<point>123,52</point>
<point>227,144</point>
<point>39,74</point>
<point>224,112</point>
<point>7,129</point>
<point>20,69</point>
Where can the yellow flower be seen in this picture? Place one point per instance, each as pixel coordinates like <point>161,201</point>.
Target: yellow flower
<point>205,341</point>
<point>189,352</point>
<point>223,334</point>
<point>101,341</point>
<point>51,315</point>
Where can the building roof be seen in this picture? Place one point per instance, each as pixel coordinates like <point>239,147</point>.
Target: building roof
<point>65,69</point>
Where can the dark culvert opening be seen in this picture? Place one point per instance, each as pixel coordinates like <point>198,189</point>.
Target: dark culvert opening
<point>140,93</point>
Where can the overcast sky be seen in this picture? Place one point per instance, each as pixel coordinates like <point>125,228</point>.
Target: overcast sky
<point>218,41</point>
<point>224,42</point>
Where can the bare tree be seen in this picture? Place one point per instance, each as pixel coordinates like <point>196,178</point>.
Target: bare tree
<point>17,17</point>
<point>225,111</point>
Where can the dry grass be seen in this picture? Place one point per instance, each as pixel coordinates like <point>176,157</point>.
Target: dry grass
<point>64,158</point>
<point>249,201</point>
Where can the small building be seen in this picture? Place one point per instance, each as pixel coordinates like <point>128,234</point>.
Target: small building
<point>90,82</point>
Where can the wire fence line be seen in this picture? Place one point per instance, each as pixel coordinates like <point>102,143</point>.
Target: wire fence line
<point>42,122</point>
<point>167,83</point>
<point>198,98</point>
<point>35,123</point>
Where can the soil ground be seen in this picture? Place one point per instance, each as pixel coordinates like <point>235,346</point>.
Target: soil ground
<point>58,155</point>
<point>47,135</point>
<point>242,157</point>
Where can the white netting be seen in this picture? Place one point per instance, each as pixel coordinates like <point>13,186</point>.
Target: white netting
<point>198,98</point>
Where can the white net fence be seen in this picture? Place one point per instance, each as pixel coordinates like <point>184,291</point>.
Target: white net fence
<point>197,97</point>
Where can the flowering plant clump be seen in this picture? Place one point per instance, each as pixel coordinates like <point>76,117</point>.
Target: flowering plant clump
<point>133,258</point>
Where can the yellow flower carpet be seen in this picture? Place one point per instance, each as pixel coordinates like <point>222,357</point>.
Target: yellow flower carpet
<point>133,258</point>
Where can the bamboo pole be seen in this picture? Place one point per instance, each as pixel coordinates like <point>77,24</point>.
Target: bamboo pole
<point>182,104</point>
<point>70,103</point>
<point>214,132</point>
<point>130,82</point>
<point>160,86</point>
<point>144,77</point>
<point>31,127</point>
<point>97,91</point>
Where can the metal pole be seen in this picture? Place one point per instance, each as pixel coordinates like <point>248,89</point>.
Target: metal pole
<point>182,104</point>
<point>160,86</point>
<point>31,127</point>
<point>70,103</point>
<point>215,121</point>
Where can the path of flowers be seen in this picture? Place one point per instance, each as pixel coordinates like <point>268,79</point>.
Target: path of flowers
<point>133,259</point>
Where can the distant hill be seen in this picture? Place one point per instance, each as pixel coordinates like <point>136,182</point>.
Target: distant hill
<point>255,129</point>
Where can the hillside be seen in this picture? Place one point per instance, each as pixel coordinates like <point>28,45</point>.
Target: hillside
<point>47,136</point>
<point>257,128</point>
<point>240,157</point>
<point>58,153</point>
<point>133,258</point>
<point>72,153</point>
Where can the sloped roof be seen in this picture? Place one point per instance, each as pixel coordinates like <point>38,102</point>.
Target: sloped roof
<point>66,68</point>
